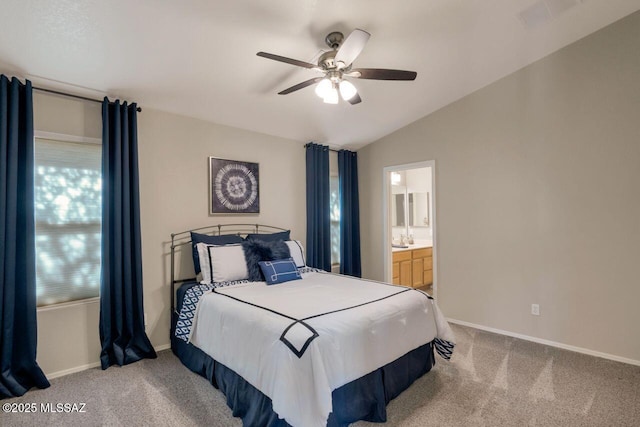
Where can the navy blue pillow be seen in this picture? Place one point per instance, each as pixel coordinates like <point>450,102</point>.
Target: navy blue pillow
<point>279,271</point>
<point>257,250</point>
<point>283,235</point>
<point>224,239</point>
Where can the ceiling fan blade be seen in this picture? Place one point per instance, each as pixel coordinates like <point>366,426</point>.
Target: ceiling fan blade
<point>355,99</point>
<point>301,85</point>
<point>351,47</point>
<point>287,60</point>
<point>382,74</point>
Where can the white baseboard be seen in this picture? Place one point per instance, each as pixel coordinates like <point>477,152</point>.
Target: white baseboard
<point>81,368</point>
<point>73,370</point>
<point>548,342</point>
<point>162,347</point>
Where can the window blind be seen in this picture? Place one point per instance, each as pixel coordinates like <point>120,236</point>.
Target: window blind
<point>68,211</point>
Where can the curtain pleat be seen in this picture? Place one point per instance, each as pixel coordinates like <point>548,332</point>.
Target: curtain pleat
<point>318,214</point>
<point>122,332</point>
<point>349,213</point>
<point>19,370</point>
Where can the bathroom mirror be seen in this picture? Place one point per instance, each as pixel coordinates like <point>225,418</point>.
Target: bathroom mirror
<point>398,209</point>
<point>409,209</point>
<point>418,209</point>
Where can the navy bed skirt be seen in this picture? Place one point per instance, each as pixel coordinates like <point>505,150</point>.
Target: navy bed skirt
<point>363,399</point>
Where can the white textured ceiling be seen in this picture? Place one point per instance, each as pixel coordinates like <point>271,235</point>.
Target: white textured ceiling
<point>198,57</point>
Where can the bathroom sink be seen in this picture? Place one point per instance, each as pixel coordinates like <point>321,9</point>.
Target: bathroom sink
<point>400,246</point>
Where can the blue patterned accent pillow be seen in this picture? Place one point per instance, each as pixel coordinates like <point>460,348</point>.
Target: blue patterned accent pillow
<point>257,250</point>
<point>272,237</point>
<point>278,271</point>
<point>224,239</point>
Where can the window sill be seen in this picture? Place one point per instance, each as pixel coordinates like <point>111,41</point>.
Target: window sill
<point>68,304</point>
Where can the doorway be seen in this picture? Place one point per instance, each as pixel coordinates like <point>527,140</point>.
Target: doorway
<point>409,231</point>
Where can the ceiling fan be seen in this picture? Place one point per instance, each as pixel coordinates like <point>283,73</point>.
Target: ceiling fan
<point>336,65</point>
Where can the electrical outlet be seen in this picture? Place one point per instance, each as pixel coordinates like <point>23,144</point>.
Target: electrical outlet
<point>535,309</point>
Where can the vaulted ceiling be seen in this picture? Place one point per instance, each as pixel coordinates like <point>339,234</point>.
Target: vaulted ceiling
<point>198,57</point>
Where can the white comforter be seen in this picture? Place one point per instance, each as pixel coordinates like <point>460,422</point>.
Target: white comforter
<point>349,344</point>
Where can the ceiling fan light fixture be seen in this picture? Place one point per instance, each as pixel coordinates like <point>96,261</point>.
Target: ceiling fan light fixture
<point>323,88</point>
<point>332,96</point>
<point>347,90</point>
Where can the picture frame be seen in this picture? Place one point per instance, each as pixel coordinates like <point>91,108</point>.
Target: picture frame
<point>234,187</point>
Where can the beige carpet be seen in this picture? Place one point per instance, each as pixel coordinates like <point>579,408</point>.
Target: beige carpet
<point>495,380</point>
<point>492,380</point>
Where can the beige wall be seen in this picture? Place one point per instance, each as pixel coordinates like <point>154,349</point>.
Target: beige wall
<point>174,178</point>
<point>537,186</point>
<point>173,153</point>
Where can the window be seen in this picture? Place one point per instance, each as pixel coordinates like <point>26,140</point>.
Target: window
<point>334,205</point>
<point>68,211</point>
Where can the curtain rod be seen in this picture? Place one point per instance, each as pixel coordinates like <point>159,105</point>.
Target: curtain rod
<point>74,96</point>
<point>330,149</point>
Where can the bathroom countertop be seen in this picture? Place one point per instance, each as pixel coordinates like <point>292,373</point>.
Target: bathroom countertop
<point>416,245</point>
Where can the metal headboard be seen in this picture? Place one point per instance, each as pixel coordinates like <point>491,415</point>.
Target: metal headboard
<point>184,238</point>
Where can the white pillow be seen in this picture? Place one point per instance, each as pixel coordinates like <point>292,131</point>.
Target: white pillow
<point>297,252</point>
<point>227,262</point>
<point>205,265</point>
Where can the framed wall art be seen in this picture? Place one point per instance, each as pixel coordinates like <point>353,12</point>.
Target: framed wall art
<point>233,187</point>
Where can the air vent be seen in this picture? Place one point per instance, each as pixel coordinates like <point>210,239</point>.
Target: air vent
<point>543,11</point>
<point>556,7</point>
<point>535,15</point>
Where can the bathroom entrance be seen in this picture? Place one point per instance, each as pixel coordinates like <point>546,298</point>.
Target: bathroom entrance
<point>410,224</point>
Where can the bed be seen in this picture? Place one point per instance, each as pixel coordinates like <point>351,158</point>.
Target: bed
<point>311,349</point>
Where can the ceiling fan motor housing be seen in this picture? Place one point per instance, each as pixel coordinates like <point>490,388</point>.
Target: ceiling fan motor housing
<point>326,60</point>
